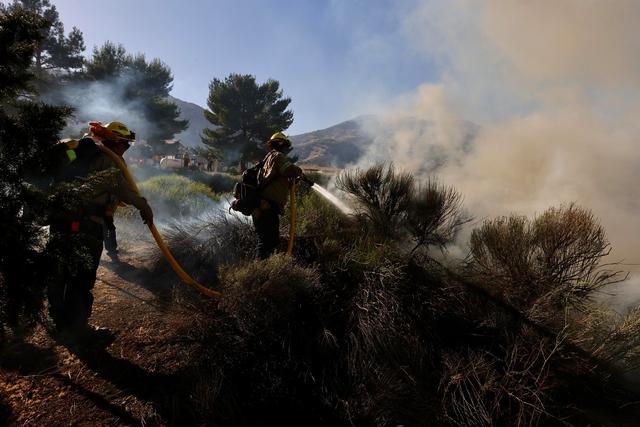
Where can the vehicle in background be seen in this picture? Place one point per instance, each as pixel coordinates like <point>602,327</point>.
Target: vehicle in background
<point>170,162</point>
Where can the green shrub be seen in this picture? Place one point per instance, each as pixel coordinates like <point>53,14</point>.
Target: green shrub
<point>177,195</point>
<point>317,217</point>
<point>218,181</point>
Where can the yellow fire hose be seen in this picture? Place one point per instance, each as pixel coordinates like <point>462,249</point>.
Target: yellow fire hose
<point>156,235</point>
<point>292,219</point>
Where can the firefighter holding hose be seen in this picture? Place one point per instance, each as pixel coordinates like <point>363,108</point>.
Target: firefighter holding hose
<point>273,184</point>
<point>76,237</point>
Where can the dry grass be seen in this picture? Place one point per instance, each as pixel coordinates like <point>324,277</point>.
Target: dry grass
<point>612,338</point>
<point>483,389</point>
<point>203,245</point>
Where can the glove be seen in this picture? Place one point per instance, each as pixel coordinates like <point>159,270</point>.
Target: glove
<point>146,214</point>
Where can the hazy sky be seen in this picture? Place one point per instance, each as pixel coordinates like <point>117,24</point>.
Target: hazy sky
<point>334,58</point>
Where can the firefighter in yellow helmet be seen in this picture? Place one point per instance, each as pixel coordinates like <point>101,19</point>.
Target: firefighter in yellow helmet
<point>273,183</point>
<point>76,236</point>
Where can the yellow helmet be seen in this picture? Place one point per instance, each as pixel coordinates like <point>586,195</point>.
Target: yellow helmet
<point>114,131</point>
<point>278,135</point>
<point>121,130</point>
<point>280,142</point>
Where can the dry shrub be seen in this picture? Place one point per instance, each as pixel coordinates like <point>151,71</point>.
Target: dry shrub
<point>329,251</point>
<point>389,362</point>
<point>612,338</point>
<point>382,195</point>
<point>393,207</point>
<point>202,246</point>
<point>263,292</point>
<point>228,237</point>
<point>372,340</point>
<point>482,388</point>
<point>435,215</point>
<point>372,335</point>
<point>554,260</point>
<point>255,366</point>
<point>464,389</point>
<point>571,246</point>
<point>281,347</point>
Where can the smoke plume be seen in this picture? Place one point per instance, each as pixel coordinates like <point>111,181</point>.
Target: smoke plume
<point>555,90</point>
<point>103,100</point>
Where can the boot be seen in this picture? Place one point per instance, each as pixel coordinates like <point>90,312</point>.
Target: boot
<point>86,336</point>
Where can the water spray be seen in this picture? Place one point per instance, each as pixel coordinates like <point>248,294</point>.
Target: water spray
<point>328,196</point>
<point>332,199</point>
<point>292,206</point>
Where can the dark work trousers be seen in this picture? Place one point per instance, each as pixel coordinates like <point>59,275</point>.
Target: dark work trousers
<point>73,262</point>
<point>267,226</point>
<point>110,242</point>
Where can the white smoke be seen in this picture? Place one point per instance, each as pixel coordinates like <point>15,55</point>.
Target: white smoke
<point>105,101</point>
<point>555,88</point>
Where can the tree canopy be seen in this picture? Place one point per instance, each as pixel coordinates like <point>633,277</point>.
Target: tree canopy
<point>244,114</point>
<point>131,83</point>
<point>20,32</point>
<point>27,130</point>
<point>54,50</point>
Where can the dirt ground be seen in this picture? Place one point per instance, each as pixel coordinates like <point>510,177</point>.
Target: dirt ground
<point>136,380</point>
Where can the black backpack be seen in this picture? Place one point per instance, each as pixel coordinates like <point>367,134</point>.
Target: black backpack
<point>247,191</point>
<point>70,160</point>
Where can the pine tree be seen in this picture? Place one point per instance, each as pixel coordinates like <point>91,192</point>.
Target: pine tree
<point>107,61</point>
<point>54,50</point>
<point>145,83</point>
<point>245,115</point>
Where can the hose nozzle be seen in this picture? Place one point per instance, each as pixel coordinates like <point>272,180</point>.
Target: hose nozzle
<point>307,180</point>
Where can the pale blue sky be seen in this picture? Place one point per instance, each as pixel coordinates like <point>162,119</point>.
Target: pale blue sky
<point>335,59</point>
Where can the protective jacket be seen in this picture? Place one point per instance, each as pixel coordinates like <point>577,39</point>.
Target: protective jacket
<point>84,159</point>
<point>273,179</point>
<point>123,192</point>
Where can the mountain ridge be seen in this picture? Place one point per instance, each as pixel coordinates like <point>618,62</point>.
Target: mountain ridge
<point>337,145</point>
<point>346,143</point>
